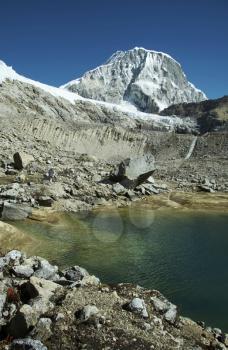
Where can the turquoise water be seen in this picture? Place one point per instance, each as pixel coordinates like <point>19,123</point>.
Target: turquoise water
<point>184,254</point>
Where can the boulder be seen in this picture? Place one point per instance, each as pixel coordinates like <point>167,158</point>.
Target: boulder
<point>134,171</point>
<point>21,160</point>
<point>42,288</point>
<point>25,319</point>
<point>137,306</point>
<point>40,294</point>
<point>46,270</point>
<point>171,314</point>
<point>75,273</point>
<point>14,257</point>
<point>160,305</point>
<point>13,212</point>
<point>165,307</point>
<point>23,271</point>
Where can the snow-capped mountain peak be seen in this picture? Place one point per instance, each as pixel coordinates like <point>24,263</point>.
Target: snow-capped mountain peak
<point>146,79</point>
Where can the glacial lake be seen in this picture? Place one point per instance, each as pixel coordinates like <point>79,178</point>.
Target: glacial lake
<point>182,253</point>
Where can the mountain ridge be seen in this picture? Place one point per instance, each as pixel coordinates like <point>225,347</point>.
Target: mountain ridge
<point>143,79</point>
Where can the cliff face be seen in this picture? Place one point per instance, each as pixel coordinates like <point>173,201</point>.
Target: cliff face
<point>210,115</point>
<point>147,80</point>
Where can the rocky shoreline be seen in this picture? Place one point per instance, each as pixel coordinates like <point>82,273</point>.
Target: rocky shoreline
<point>42,307</point>
<point>77,182</point>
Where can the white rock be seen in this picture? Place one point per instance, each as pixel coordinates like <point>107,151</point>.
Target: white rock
<point>138,305</point>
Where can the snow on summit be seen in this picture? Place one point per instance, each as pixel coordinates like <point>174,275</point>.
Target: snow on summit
<point>7,72</point>
<point>124,108</point>
<point>146,79</point>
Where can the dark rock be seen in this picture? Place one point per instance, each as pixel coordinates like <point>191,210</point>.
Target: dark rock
<point>11,172</point>
<point>205,188</point>
<point>45,201</point>
<point>75,273</point>
<point>24,320</point>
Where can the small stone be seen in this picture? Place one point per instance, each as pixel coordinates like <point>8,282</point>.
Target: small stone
<point>217,331</point>
<point>150,180</point>
<point>2,302</point>
<point>147,326</point>
<point>45,201</point>
<point>27,344</point>
<point>88,312</point>
<point>96,178</point>
<point>42,331</point>
<point>119,189</point>
<point>60,316</point>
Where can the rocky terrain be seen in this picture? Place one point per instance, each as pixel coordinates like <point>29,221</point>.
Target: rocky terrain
<point>147,80</point>
<point>210,115</point>
<point>42,307</point>
<point>65,152</point>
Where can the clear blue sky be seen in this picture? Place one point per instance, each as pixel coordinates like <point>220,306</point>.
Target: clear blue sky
<point>54,41</point>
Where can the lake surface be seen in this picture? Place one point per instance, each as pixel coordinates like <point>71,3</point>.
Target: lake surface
<point>182,253</point>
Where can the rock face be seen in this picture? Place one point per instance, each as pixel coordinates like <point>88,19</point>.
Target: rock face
<point>148,80</point>
<point>211,115</point>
